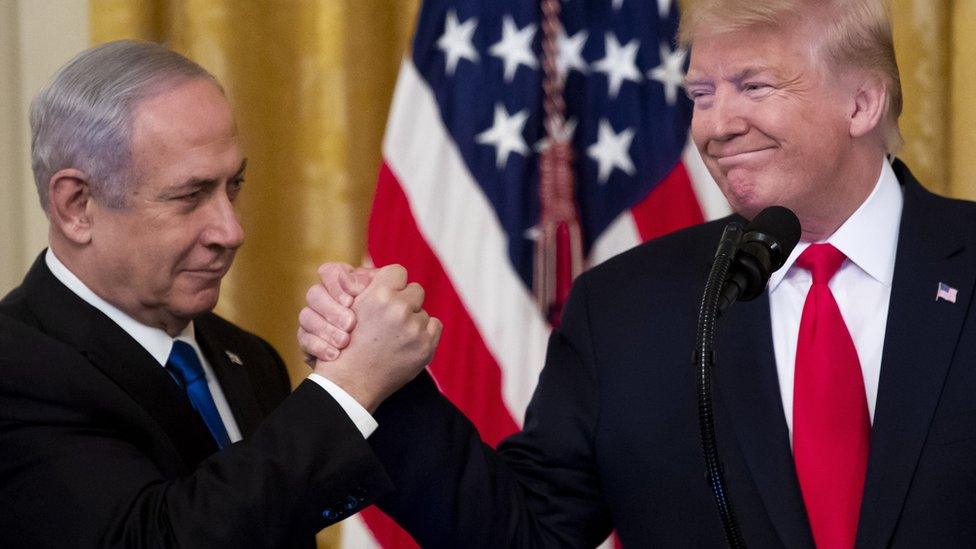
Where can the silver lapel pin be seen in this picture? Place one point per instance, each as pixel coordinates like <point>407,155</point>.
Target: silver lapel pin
<point>234,358</point>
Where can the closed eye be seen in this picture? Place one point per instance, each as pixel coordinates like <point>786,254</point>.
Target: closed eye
<point>234,188</point>
<point>756,87</point>
<point>192,196</point>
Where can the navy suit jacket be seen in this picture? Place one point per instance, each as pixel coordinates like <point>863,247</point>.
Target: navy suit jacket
<point>611,436</point>
<point>99,447</point>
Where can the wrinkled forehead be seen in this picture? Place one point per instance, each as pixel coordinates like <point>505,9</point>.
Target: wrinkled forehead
<point>187,132</point>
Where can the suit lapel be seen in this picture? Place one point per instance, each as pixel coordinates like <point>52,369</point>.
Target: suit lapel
<point>231,371</point>
<point>920,340</point>
<point>123,360</point>
<point>67,317</point>
<point>748,389</point>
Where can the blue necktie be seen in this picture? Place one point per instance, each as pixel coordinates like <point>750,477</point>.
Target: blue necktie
<point>185,367</point>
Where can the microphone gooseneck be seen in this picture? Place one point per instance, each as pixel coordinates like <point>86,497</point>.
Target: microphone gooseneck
<point>743,262</point>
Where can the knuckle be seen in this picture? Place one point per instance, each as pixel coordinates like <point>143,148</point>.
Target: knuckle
<point>401,310</point>
<point>336,336</point>
<point>316,295</point>
<point>319,348</point>
<point>384,294</point>
<point>310,320</point>
<point>339,338</point>
<point>417,290</point>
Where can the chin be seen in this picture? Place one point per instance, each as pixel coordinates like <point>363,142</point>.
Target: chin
<point>198,304</point>
<point>743,200</point>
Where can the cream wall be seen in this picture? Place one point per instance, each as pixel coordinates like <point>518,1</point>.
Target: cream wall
<point>36,37</point>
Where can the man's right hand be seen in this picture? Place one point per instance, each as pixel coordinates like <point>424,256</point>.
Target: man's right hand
<point>394,338</point>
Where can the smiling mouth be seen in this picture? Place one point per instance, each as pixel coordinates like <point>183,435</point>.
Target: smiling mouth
<point>730,160</point>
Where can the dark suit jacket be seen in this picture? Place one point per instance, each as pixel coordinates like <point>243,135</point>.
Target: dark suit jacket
<point>99,447</point>
<point>611,435</point>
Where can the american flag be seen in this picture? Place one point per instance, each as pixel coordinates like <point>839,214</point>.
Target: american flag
<point>457,197</point>
<point>946,292</point>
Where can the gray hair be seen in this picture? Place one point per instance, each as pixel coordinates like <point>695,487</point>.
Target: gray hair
<point>83,119</point>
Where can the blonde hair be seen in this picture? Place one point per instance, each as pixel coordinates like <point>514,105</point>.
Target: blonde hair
<point>855,33</point>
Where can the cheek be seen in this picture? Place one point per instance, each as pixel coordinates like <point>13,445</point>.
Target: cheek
<point>698,130</point>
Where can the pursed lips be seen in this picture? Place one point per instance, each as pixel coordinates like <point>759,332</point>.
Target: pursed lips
<point>728,159</point>
<point>209,272</point>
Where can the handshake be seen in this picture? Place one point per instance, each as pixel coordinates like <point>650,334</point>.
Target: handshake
<point>366,330</point>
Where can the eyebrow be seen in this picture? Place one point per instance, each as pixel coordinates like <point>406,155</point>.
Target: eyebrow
<point>749,73</point>
<point>744,74</point>
<point>207,182</point>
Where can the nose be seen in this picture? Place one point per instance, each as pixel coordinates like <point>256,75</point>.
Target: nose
<point>722,119</point>
<point>224,228</point>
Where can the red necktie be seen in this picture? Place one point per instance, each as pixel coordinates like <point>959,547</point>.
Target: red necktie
<point>831,427</point>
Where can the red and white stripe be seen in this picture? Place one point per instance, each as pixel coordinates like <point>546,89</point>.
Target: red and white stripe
<point>430,215</point>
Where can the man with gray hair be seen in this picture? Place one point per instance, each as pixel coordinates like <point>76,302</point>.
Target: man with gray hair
<point>130,414</point>
<point>844,394</point>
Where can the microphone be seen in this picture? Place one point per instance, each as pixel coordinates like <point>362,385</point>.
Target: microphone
<point>766,243</point>
<point>743,262</point>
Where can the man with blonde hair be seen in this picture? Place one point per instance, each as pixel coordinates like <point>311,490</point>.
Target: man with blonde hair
<point>843,393</point>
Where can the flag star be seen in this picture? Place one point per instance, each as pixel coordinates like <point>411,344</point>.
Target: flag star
<point>456,41</point>
<point>610,151</point>
<point>617,4</point>
<point>570,53</point>
<point>563,134</point>
<point>664,8</point>
<point>515,47</point>
<point>670,73</point>
<point>619,64</point>
<point>505,134</point>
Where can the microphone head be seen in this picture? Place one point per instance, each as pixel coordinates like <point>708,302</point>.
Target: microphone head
<point>777,228</point>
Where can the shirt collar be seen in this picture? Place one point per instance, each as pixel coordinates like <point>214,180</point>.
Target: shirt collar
<point>157,342</point>
<point>869,237</point>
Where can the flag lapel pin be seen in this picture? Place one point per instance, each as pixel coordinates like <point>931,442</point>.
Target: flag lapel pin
<point>946,293</point>
<point>232,356</point>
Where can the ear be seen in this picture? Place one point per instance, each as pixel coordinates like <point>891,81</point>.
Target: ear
<point>868,108</point>
<point>69,200</point>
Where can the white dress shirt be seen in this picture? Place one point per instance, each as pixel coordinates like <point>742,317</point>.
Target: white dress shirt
<point>159,345</point>
<point>862,288</point>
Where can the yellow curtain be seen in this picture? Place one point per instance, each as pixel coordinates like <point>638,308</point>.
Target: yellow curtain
<point>936,45</point>
<point>310,82</point>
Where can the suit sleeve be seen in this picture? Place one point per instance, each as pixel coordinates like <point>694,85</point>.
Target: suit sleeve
<point>540,489</point>
<point>78,471</point>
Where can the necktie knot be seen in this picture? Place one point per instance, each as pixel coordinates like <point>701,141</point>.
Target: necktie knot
<point>184,363</point>
<point>822,260</point>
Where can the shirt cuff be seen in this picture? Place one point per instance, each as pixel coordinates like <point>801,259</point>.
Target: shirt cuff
<point>364,422</point>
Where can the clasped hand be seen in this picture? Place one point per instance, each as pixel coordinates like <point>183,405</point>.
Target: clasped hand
<point>366,330</point>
